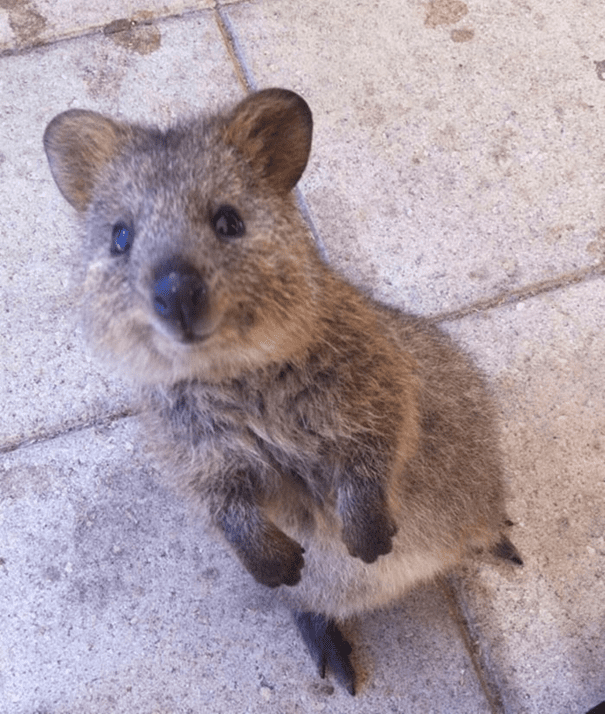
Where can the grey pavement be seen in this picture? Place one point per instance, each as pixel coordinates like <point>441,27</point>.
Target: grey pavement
<point>458,170</point>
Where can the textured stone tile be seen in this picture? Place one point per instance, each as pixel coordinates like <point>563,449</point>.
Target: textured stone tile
<point>541,628</point>
<point>27,23</point>
<point>46,378</point>
<point>457,155</point>
<point>114,599</point>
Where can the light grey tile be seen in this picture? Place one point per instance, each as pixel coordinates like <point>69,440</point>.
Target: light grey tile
<point>46,377</point>
<point>444,171</point>
<point>542,627</point>
<point>115,599</point>
<point>27,23</point>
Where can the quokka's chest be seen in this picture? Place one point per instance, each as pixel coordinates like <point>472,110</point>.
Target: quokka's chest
<point>293,431</point>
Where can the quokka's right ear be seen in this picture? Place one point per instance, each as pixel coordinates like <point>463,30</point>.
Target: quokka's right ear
<point>272,129</point>
<point>78,144</point>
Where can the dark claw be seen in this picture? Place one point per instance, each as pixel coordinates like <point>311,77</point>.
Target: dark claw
<point>327,647</point>
<point>506,550</point>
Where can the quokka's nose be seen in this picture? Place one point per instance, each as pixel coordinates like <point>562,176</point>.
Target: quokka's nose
<point>179,295</point>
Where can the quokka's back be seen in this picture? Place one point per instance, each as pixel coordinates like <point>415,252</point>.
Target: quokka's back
<point>345,450</point>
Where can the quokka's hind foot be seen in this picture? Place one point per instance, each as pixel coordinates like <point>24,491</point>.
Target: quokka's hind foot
<point>506,550</point>
<point>327,647</point>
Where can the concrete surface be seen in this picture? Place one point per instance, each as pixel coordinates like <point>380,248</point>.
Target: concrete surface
<point>458,169</point>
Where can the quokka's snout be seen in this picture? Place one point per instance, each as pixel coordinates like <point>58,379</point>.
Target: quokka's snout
<point>180,299</point>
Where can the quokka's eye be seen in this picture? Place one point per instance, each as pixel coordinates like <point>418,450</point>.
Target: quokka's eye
<point>227,223</point>
<point>121,238</point>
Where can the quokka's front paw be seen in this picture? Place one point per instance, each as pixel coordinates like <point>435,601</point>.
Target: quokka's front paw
<point>369,537</point>
<point>278,562</point>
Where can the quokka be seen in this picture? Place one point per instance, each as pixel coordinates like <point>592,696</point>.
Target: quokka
<point>345,450</point>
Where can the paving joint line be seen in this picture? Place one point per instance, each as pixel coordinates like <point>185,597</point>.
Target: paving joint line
<point>517,296</point>
<point>247,81</point>
<point>472,645</point>
<point>230,41</point>
<point>109,28</point>
<point>51,435</point>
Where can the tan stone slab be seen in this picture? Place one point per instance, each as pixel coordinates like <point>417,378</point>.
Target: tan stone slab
<point>46,378</point>
<point>541,630</point>
<point>28,23</point>
<point>114,600</point>
<point>458,146</point>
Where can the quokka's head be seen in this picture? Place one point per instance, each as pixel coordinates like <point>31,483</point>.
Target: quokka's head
<point>197,263</point>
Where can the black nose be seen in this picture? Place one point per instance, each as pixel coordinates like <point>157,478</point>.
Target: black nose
<point>179,295</point>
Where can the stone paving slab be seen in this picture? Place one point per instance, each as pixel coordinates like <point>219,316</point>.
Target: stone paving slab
<point>28,23</point>
<point>47,377</point>
<point>458,148</point>
<point>542,631</point>
<point>114,599</point>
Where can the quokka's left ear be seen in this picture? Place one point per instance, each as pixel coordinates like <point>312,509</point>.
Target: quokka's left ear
<point>272,129</point>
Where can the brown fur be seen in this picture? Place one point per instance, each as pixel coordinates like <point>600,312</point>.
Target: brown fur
<point>344,449</point>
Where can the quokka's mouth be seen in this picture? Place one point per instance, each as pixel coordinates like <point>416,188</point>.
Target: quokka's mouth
<point>177,336</point>
<point>192,339</point>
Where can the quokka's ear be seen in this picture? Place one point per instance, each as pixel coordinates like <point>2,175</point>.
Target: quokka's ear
<point>78,145</point>
<point>272,129</point>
